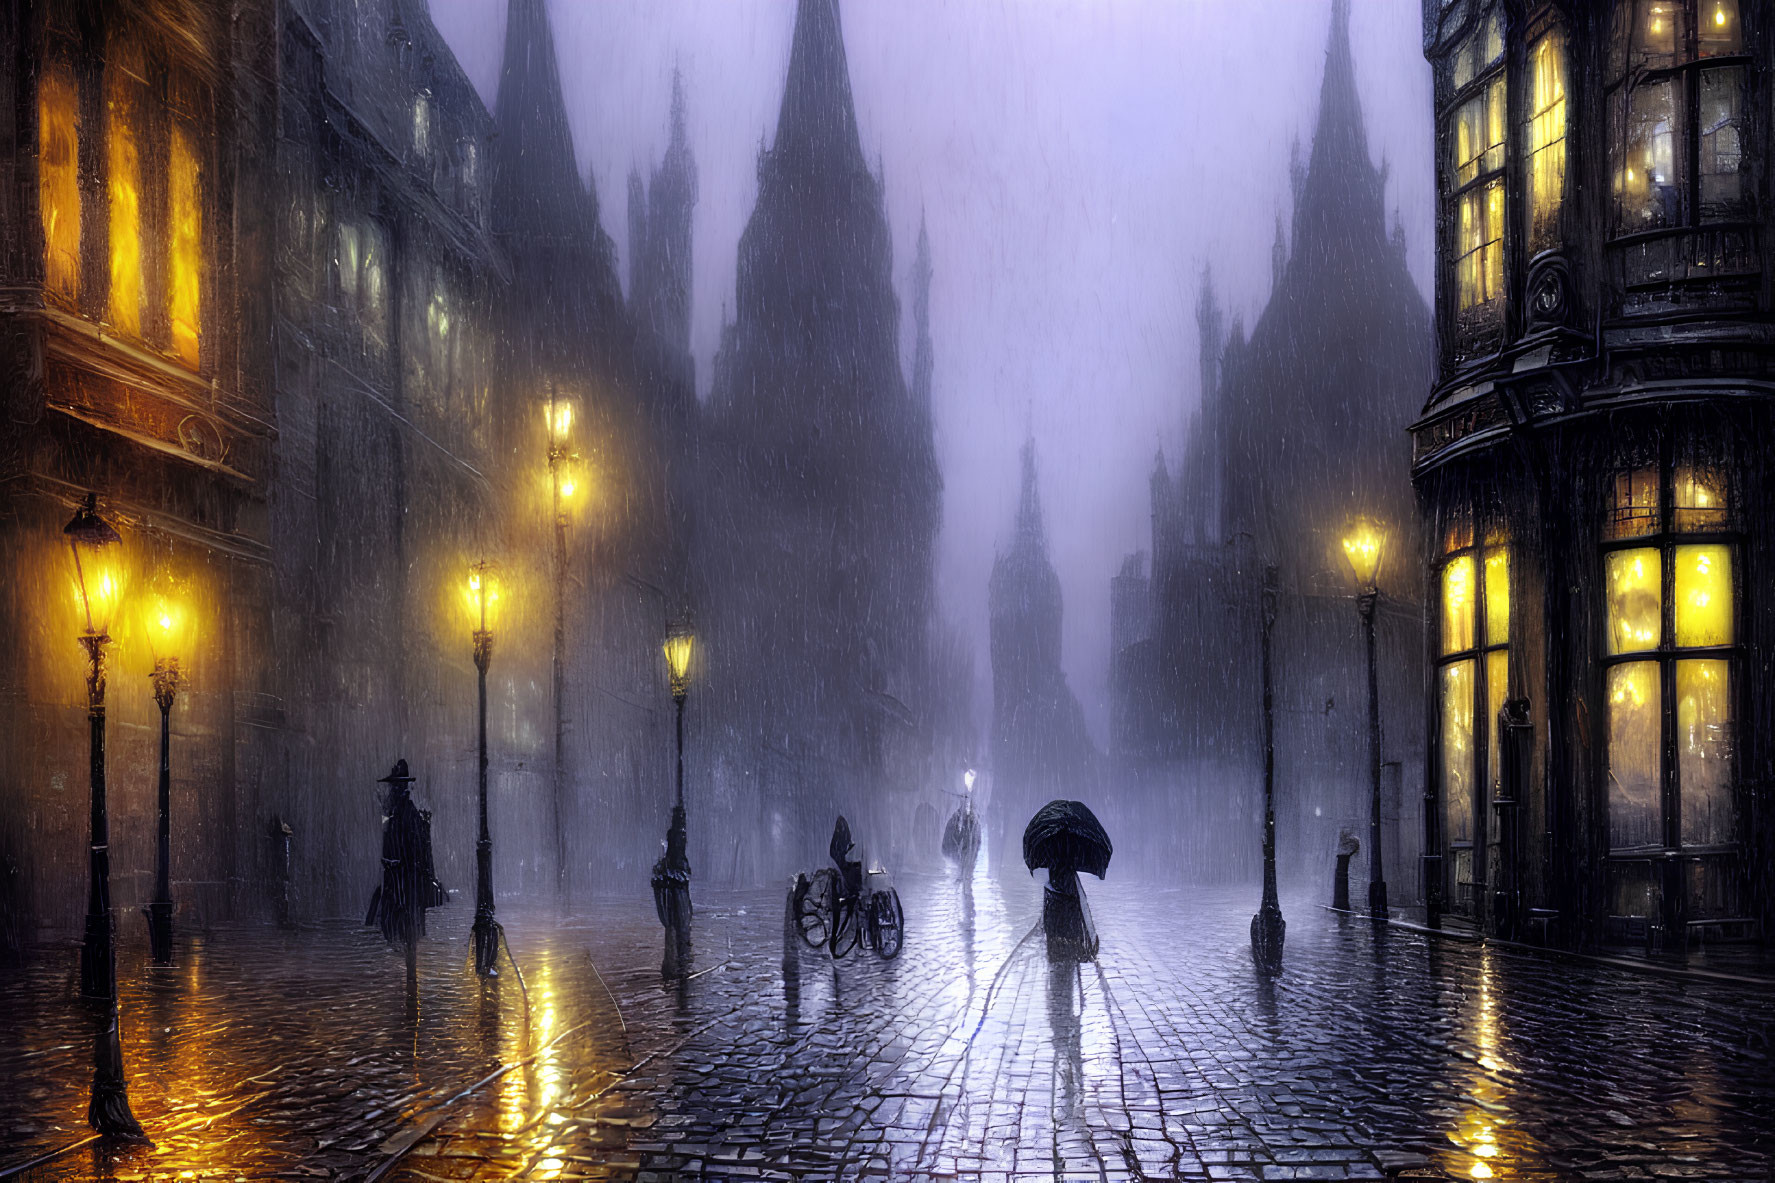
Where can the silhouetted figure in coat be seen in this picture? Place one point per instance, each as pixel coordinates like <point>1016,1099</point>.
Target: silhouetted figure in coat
<point>409,885</point>
<point>850,871</point>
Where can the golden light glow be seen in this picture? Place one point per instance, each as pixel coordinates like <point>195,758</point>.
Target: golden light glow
<point>58,179</point>
<point>1635,714</point>
<point>1704,750</point>
<point>97,570</point>
<point>1497,596</point>
<point>1456,750</point>
<point>185,246</point>
<point>480,594</point>
<point>1546,141</point>
<point>1703,598</point>
<point>124,174</point>
<point>1364,547</point>
<point>558,414</point>
<point>1457,604</point>
<point>678,649</point>
<point>1635,599</point>
<point>168,623</point>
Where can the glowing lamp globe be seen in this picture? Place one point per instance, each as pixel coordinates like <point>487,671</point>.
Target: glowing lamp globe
<point>481,595</point>
<point>98,577</point>
<point>967,778</point>
<point>1364,545</point>
<point>678,649</point>
<point>168,625</point>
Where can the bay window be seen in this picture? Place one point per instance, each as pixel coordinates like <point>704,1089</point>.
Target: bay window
<point>1669,657</point>
<point>1544,141</point>
<point>58,178</point>
<point>1677,115</point>
<point>1473,146</point>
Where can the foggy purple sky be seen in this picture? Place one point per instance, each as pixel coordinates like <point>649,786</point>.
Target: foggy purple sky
<point>1078,160</point>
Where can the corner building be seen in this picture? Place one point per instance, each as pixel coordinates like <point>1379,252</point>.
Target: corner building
<point>1591,471</point>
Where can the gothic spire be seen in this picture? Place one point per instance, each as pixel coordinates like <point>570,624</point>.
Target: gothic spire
<point>923,355</point>
<point>537,190</point>
<point>1339,197</point>
<point>818,118</point>
<point>1029,504</point>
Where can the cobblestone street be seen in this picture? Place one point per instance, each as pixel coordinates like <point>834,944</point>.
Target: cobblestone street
<point>270,1055</point>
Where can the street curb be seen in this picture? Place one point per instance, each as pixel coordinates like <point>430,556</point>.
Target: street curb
<point>1750,981</point>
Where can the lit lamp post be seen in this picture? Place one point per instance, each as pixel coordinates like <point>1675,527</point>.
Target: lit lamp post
<point>1364,546</point>
<point>562,486</point>
<point>483,602</point>
<point>97,584</point>
<point>166,627</point>
<point>671,876</point>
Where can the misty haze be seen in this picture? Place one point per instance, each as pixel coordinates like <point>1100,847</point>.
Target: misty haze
<point>828,589</point>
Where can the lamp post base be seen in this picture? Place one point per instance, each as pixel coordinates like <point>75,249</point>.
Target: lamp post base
<point>109,1112</point>
<point>1377,899</point>
<point>486,941</point>
<point>1268,930</point>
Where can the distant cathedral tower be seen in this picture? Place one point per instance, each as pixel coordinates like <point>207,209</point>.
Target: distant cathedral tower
<point>660,237</point>
<point>1040,748</point>
<point>823,492</point>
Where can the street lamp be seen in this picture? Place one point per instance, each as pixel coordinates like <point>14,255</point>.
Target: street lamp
<point>98,584</point>
<point>166,621</point>
<point>1364,547</point>
<point>671,877</point>
<point>482,595</point>
<point>563,484</point>
<point>1268,929</point>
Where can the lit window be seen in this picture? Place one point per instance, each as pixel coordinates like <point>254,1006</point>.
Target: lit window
<point>1671,616</point>
<point>421,126</point>
<point>1546,141</point>
<point>1673,112</point>
<point>123,167</point>
<point>184,246</point>
<point>1472,684</point>
<point>1473,148</point>
<point>58,179</point>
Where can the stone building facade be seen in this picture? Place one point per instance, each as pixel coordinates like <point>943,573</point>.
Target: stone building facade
<point>270,294</point>
<point>1592,466</point>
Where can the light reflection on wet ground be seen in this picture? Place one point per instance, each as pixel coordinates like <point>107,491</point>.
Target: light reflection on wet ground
<point>304,1055</point>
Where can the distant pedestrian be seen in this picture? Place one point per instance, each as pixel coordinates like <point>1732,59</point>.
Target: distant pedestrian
<point>409,885</point>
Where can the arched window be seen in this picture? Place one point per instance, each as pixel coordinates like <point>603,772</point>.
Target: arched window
<point>1543,140</point>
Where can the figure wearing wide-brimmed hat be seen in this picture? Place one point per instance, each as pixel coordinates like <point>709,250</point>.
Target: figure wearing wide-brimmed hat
<point>409,885</point>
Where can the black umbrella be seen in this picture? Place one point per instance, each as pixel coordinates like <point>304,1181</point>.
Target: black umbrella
<point>1066,836</point>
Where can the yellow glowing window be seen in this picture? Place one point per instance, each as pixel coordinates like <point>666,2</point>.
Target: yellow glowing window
<point>1497,688</point>
<point>1703,599</point>
<point>185,246</point>
<point>1497,596</point>
<point>1457,604</point>
<point>1456,749</point>
<point>1478,136</point>
<point>58,179</point>
<point>124,178</point>
<point>1546,141</point>
<point>1717,29</point>
<point>1704,750</point>
<point>1479,262</point>
<point>1635,599</point>
<point>1635,725</point>
<point>1700,498</point>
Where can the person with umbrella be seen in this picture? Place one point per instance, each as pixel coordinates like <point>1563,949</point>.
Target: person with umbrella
<point>409,885</point>
<point>1065,837</point>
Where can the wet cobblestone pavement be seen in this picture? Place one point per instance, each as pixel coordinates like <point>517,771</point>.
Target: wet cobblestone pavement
<point>304,1056</point>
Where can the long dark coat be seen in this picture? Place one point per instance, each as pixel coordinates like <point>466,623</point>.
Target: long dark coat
<point>409,885</point>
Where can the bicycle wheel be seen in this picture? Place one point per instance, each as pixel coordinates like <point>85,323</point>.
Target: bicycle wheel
<point>889,920</point>
<point>847,927</point>
<point>813,909</point>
